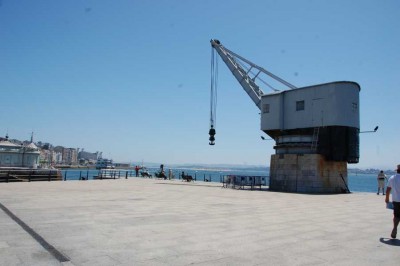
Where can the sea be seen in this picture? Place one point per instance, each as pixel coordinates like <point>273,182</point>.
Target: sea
<point>356,182</point>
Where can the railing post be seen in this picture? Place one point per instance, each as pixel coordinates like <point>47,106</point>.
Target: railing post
<point>29,178</point>
<point>8,175</point>
<point>87,174</point>
<point>126,175</point>
<point>65,175</point>
<point>80,175</point>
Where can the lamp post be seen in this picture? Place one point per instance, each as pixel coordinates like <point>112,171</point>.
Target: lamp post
<point>370,131</point>
<point>262,137</point>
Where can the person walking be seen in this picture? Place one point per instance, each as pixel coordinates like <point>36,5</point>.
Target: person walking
<point>381,182</point>
<point>137,170</point>
<point>393,187</point>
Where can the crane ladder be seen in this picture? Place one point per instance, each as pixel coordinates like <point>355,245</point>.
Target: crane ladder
<point>314,143</point>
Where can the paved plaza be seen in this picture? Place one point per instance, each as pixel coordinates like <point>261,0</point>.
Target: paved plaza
<point>155,222</point>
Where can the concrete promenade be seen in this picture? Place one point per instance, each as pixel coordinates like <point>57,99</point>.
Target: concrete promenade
<point>156,222</point>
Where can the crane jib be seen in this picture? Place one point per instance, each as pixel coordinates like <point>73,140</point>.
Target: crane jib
<point>242,70</point>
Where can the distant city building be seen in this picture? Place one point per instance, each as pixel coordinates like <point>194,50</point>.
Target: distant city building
<point>87,155</point>
<point>58,149</point>
<point>70,156</point>
<point>46,146</point>
<point>49,157</point>
<point>16,153</point>
<point>45,158</point>
<point>57,157</point>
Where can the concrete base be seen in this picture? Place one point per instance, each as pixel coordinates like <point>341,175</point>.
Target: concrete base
<point>308,173</point>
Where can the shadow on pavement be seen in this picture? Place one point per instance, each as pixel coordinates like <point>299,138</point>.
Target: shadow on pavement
<point>390,241</point>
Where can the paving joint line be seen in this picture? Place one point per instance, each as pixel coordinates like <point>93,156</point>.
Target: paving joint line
<point>46,245</point>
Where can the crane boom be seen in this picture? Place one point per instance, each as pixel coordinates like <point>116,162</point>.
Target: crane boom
<point>232,60</point>
<point>243,70</point>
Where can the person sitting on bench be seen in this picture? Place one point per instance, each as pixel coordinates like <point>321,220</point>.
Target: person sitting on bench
<point>187,178</point>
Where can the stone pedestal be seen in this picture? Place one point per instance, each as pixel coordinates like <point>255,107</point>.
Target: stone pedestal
<point>308,173</point>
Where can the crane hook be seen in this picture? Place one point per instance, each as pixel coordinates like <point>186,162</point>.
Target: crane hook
<point>212,134</point>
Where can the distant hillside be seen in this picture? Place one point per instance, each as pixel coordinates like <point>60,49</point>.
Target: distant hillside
<point>369,171</point>
<point>248,167</point>
<point>208,166</point>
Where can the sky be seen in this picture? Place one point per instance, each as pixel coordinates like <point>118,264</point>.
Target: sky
<point>132,78</point>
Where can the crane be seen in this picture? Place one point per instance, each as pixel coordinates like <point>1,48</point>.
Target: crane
<point>315,128</point>
<point>246,73</point>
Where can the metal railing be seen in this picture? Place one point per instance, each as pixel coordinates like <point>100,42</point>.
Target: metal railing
<point>240,181</point>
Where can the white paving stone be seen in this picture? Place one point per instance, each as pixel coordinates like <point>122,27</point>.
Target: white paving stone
<point>154,222</point>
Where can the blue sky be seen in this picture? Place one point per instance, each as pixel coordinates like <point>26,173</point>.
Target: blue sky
<point>132,78</point>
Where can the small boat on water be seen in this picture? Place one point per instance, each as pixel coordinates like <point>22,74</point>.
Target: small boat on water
<point>103,163</point>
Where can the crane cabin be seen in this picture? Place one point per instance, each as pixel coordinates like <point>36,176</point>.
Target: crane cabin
<point>322,119</point>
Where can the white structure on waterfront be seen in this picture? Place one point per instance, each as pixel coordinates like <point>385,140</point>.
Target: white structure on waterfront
<point>102,163</point>
<point>15,156</point>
